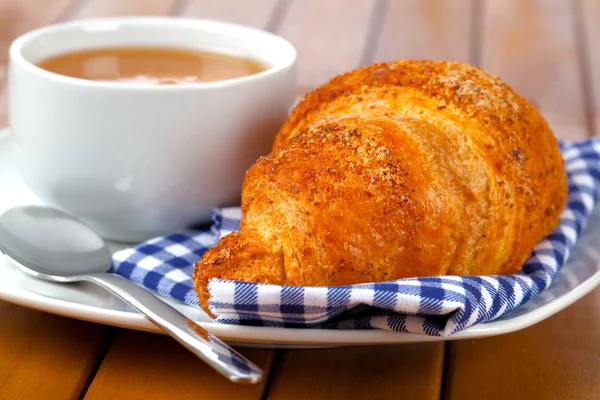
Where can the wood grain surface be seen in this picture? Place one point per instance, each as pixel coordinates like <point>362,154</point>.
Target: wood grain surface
<point>330,36</point>
<point>531,45</point>
<point>111,8</point>
<point>556,359</point>
<point>256,13</point>
<point>587,21</point>
<point>43,356</point>
<point>411,371</point>
<point>146,366</point>
<point>435,30</point>
<point>546,49</point>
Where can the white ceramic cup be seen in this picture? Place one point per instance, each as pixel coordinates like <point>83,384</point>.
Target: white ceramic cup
<point>132,160</point>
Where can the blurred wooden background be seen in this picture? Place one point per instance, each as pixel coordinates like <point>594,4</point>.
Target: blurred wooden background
<point>547,49</point>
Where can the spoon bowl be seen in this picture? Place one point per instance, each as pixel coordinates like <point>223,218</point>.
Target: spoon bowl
<point>51,244</point>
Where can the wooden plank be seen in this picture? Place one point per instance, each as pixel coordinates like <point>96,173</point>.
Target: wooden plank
<point>256,13</point>
<point>435,30</point>
<point>110,8</point>
<point>531,44</point>
<point>329,36</point>
<point>411,371</point>
<point>558,358</point>
<point>589,24</point>
<point>43,356</point>
<point>146,366</point>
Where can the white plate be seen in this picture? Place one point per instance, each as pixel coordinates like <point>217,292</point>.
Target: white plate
<point>87,302</point>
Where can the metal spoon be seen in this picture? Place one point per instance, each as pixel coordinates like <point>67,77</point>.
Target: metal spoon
<point>52,245</point>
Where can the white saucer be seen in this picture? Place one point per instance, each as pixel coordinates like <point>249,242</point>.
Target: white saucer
<point>90,303</point>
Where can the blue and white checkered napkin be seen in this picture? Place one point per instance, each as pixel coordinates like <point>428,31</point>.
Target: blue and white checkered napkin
<point>437,306</point>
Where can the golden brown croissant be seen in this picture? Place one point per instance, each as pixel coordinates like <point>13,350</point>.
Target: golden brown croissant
<point>396,170</point>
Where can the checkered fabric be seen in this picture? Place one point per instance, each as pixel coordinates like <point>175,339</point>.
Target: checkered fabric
<point>437,306</point>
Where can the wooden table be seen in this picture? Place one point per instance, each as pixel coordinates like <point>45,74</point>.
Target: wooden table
<point>547,49</point>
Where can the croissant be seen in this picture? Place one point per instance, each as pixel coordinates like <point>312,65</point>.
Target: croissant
<point>406,169</point>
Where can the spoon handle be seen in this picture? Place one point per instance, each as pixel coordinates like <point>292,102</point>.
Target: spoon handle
<point>198,340</point>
